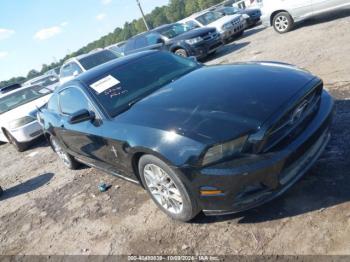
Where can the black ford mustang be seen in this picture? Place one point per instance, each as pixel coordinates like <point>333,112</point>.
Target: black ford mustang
<point>220,139</point>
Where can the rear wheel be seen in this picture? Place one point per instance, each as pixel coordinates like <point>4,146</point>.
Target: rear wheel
<point>66,158</point>
<point>20,147</point>
<point>166,189</point>
<point>181,52</point>
<point>282,22</point>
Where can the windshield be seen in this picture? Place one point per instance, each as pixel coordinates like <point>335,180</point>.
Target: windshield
<point>96,59</point>
<point>139,78</point>
<point>230,10</point>
<point>22,97</point>
<point>209,17</point>
<point>174,30</point>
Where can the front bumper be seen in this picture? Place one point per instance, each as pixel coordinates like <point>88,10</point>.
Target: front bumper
<point>260,178</point>
<point>205,48</point>
<point>27,132</point>
<point>252,21</point>
<point>233,31</point>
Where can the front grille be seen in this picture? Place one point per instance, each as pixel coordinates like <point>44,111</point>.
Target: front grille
<point>210,36</point>
<point>236,22</point>
<point>290,125</point>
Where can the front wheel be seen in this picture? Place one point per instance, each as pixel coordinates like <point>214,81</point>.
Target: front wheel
<point>66,158</point>
<point>282,22</point>
<point>166,189</point>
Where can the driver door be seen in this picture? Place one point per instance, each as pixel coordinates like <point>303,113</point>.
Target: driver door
<point>84,139</point>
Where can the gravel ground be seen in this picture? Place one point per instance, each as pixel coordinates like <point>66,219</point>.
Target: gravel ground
<point>47,209</point>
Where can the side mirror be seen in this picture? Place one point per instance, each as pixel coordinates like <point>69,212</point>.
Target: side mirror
<point>81,116</point>
<point>75,73</point>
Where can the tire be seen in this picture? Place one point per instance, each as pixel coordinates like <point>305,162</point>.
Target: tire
<point>177,201</point>
<point>20,147</point>
<point>282,22</point>
<point>240,34</point>
<point>66,158</point>
<point>181,52</point>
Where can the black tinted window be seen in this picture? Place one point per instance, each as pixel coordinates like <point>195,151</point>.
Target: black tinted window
<point>140,42</point>
<point>96,59</point>
<point>129,45</point>
<point>72,100</point>
<point>153,39</point>
<point>52,105</point>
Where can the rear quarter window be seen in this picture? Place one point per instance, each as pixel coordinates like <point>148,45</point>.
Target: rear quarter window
<point>140,42</point>
<point>129,45</point>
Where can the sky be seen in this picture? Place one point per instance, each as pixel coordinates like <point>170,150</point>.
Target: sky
<point>34,32</point>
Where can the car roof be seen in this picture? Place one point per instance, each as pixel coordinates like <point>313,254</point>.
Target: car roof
<point>102,69</point>
<point>9,89</point>
<point>17,90</point>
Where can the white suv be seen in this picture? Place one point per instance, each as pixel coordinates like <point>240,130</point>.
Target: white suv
<point>77,65</point>
<point>282,14</point>
<point>228,26</point>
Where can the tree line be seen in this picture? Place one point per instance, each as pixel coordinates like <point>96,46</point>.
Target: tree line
<point>174,11</point>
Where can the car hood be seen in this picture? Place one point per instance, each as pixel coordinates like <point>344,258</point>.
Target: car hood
<point>194,33</point>
<point>218,103</point>
<point>222,21</point>
<point>27,109</point>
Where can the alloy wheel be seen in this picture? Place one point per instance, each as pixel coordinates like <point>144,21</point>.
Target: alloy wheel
<point>281,23</point>
<point>163,188</point>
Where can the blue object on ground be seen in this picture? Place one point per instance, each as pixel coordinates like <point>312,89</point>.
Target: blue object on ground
<point>103,187</point>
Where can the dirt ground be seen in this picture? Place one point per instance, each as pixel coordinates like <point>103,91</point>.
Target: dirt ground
<point>47,209</point>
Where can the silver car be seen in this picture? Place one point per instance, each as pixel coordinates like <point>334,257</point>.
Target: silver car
<point>282,14</point>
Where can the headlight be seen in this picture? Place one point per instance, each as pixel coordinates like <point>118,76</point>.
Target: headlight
<point>21,122</point>
<point>227,26</point>
<point>224,150</point>
<point>194,40</point>
<point>242,18</point>
<point>245,16</point>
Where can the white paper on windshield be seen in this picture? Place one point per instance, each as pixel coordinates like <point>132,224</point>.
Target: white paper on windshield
<point>105,83</point>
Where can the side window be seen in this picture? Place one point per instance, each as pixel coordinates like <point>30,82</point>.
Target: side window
<point>129,45</point>
<point>73,100</point>
<point>52,105</point>
<point>76,68</point>
<point>140,42</point>
<point>67,70</point>
<point>153,39</point>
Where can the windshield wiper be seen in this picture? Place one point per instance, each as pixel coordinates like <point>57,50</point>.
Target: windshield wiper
<point>133,102</point>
